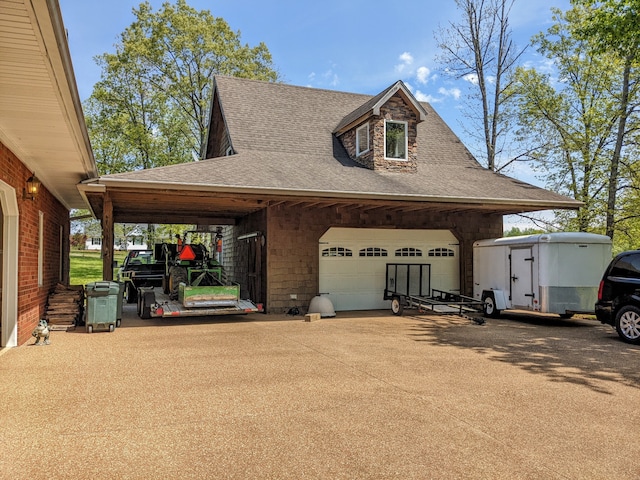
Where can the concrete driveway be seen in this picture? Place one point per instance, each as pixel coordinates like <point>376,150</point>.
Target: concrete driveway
<point>360,396</point>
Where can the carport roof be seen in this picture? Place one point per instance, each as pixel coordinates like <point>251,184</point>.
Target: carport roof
<point>286,152</point>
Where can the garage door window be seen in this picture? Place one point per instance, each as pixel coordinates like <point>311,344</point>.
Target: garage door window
<point>408,252</point>
<point>337,252</point>
<point>441,252</point>
<point>373,252</point>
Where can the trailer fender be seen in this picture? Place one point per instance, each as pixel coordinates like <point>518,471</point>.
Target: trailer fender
<point>501,299</point>
<point>495,302</point>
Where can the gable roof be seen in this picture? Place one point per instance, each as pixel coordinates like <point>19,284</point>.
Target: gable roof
<point>372,107</point>
<point>285,146</point>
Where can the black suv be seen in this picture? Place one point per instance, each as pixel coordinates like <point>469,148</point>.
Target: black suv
<point>618,302</point>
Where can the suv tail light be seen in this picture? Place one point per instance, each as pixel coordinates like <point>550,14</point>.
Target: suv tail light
<point>600,288</point>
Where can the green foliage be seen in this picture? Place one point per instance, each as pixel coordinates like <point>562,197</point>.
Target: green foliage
<point>572,118</point>
<point>150,106</point>
<point>516,232</point>
<point>612,25</point>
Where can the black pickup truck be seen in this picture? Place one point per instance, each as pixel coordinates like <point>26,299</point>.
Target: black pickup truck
<point>140,269</point>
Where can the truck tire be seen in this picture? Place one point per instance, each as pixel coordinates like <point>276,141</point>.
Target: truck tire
<point>489,306</point>
<point>130,292</point>
<point>177,275</point>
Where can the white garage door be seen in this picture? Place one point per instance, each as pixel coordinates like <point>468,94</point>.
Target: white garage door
<point>353,262</point>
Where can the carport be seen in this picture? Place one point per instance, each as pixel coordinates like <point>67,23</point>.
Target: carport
<point>274,218</point>
<point>278,173</point>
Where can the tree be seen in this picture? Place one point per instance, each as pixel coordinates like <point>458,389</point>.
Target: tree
<point>572,119</point>
<point>149,107</point>
<point>480,49</point>
<point>612,26</point>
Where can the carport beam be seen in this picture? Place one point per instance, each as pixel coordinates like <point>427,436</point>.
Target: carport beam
<point>107,238</point>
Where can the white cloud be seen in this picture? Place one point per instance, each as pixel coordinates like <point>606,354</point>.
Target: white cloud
<point>451,92</point>
<point>471,78</point>
<point>423,75</point>
<point>425,97</point>
<point>332,78</point>
<point>406,60</point>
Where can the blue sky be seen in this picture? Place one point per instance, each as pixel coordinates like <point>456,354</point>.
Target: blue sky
<point>359,46</point>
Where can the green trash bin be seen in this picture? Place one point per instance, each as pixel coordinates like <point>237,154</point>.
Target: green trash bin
<point>102,306</point>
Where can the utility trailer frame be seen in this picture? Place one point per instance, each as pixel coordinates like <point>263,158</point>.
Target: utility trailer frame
<point>153,302</point>
<point>408,285</point>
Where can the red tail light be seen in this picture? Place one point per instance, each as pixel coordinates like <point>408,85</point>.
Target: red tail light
<point>600,288</point>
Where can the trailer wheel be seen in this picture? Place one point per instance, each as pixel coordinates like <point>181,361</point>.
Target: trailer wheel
<point>139,306</point>
<point>489,306</point>
<point>130,292</point>
<point>176,276</point>
<point>397,306</point>
<point>145,307</point>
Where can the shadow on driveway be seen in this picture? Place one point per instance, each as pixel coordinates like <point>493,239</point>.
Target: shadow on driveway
<point>578,351</point>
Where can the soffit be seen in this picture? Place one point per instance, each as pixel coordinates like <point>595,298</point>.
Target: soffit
<point>41,119</point>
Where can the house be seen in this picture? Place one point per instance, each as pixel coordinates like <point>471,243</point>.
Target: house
<point>317,190</point>
<point>44,147</point>
<point>132,240</point>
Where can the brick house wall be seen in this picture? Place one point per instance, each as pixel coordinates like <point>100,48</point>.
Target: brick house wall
<point>293,234</point>
<point>32,297</point>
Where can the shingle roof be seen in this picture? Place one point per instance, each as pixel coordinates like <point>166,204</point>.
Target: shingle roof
<point>283,138</point>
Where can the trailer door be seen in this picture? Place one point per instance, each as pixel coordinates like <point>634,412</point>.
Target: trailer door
<point>521,271</point>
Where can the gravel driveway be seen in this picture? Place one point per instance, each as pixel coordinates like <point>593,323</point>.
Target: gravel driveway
<point>361,396</point>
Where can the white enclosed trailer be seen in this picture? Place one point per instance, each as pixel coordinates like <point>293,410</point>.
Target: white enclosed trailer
<point>549,273</point>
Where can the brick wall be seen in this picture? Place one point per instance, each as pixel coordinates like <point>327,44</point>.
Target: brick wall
<point>293,234</point>
<point>32,297</point>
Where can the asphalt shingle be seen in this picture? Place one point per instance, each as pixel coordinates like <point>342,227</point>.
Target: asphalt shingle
<point>283,138</point>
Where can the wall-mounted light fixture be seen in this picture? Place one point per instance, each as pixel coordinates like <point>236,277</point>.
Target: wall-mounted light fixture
<point>32,189</point>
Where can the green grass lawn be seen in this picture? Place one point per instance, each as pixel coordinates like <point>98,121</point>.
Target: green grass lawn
<point>86,266</point>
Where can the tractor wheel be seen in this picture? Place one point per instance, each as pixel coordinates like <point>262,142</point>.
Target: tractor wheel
<point>176,276</point>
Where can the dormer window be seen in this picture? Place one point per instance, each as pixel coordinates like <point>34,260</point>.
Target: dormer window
<point>395,140</point>
<point>362,139</point>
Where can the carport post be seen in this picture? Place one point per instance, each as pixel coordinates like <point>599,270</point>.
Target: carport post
<point>107,238</point>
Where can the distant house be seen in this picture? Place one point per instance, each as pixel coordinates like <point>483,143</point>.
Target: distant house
<point>318,190</point>
<point>43,145</point>
<point>135,240</point>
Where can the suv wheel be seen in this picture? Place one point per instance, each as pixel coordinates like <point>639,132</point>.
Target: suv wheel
<point>628,324</point>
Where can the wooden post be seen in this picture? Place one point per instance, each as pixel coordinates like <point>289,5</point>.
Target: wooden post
<point>107,237</point>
